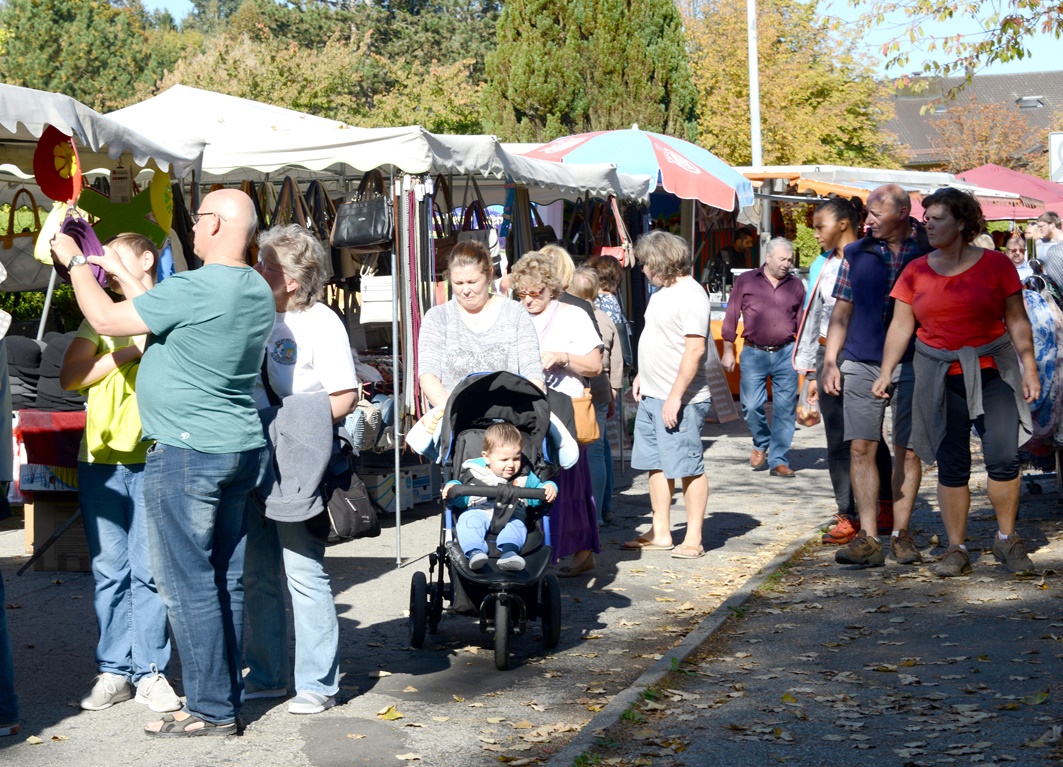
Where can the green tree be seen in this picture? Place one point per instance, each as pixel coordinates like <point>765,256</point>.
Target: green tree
<point>570,66</point>
<point>93,50</point>
<point>818,102</point>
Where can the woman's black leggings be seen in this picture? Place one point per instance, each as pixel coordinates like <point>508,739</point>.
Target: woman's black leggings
<point>998,427</point>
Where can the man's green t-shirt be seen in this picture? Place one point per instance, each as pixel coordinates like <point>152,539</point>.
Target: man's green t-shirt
<point>209,329</point>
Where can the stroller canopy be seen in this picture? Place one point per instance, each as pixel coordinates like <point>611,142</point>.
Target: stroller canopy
<point>483,398</point>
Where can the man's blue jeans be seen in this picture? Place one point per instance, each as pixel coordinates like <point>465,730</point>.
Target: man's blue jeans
<point>276,549</point>
<point>197,529</point>
<point>600,462</point>
<point>129,611</point>
<point>8,699</point>
<point>757,367</point>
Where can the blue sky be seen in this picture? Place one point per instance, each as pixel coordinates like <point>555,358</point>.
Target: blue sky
<point>1044,49</point>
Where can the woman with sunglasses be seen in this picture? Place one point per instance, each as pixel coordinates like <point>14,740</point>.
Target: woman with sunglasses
<point>571,349</point>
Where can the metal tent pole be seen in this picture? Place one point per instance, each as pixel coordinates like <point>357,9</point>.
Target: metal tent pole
<point>47,304</point>
<point>396,377</point>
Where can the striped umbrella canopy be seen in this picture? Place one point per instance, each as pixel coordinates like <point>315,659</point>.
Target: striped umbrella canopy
<point>684,169</point>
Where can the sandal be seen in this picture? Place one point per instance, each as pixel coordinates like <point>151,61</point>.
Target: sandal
<point>688,552</point>
<point>171,727</point>
<point>644,544</point>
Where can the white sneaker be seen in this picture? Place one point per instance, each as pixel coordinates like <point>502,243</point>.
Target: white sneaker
<point>156,693</point>
<point>511,561</point>
<point>477,560</point>
<point>307,702</point>
<point>107,690</point>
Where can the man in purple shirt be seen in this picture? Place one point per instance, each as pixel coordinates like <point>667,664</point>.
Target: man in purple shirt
<point>768,300</point>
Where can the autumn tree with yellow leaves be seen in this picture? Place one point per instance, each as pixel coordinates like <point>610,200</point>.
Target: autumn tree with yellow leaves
<point>819,103</point>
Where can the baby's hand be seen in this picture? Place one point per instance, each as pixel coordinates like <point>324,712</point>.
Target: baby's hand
<point>444,491</point>
<point>550,491</point>
<point>520,482</point>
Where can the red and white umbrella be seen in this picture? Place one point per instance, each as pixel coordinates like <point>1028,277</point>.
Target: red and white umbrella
<point>684,169</point>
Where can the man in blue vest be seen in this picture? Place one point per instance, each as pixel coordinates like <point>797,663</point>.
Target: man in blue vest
<point>858,330</point>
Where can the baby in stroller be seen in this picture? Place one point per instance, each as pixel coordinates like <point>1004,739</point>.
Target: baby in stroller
<point>500,463</point>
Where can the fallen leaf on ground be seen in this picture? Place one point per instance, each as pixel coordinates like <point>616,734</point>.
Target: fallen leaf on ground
<point>440,718</point>
<point>355,736</point>
<point>389,714</point>
<point>379,674</point>
<point>33,740</point>
<point>409,757</point>
<point>410,688</point>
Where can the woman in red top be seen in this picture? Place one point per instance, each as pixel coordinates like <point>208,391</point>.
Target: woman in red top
<point>971,319</point>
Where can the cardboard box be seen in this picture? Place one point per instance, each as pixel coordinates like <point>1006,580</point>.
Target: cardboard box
<point>380,483</point>
<point>36,476</point>
<point>420,481</point>
<point>71,551</point>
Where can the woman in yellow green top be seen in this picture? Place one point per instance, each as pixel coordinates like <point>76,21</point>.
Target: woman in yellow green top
<point>134,648</point>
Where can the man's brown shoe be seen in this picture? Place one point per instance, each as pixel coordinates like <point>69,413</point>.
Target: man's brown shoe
<point>903,550</point>
<point>1012,554</point>
<point>782,470</point>
<point>954,563</point>
<point>861,550</point>
<point>757,458</point>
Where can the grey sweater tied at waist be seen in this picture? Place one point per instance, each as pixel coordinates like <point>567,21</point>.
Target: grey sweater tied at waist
<point>931,370</point>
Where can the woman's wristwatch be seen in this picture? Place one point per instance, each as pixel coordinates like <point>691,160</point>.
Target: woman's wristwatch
<point>77,260</point>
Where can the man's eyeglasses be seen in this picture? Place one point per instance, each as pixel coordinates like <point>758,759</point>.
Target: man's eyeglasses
<point>196,216</point>
<point>530,293</point>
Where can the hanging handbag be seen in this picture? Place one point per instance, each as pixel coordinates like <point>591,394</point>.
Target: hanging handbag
<point>542,234</point>
<point>378,297</point>
<point>578,237</point>
<point>9,237</point>
<point>443,224</point>
<point>586,420</point>
<point>323,213</point>
<point>367,222</point>
<point>620,246</point>
<point>475,225</point>
<point>291,207</point>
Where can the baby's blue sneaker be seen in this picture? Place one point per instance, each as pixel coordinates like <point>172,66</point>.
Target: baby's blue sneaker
<point>511,561</point>
<point>477,559</point>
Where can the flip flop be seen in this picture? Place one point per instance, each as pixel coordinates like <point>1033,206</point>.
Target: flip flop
<point>687,552</point>
<point>644,544</point>
<point>172,728</point>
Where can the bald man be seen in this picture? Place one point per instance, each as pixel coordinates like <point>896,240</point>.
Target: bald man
<point>208,331</point>
<point>857,332</point>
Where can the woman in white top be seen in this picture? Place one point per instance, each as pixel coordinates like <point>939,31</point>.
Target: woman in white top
<point>570,349</point>
<point>308,351</point>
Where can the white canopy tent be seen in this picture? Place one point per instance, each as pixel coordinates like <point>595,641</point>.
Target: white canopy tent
<point>243,136</point>
<point>25,113</point>
<point>101,142</point>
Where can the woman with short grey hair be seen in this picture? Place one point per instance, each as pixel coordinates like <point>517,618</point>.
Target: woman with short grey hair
<point>308,352</point>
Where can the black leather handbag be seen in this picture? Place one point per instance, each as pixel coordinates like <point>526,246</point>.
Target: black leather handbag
<point>367,221</point>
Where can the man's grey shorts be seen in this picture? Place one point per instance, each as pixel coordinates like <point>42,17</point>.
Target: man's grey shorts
<point>863,411</point>
<point>677,452</point>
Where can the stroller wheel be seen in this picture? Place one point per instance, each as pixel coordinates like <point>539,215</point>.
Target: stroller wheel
<point>502,634</point>
<point>418,609</point>
<point>550,610</point>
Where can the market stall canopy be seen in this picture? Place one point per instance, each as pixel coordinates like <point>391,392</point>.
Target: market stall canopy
<point>26,113</point>
<point>997,177</point>
<point>245,135</point>
<point>686,170</point>
<point>826,180</point>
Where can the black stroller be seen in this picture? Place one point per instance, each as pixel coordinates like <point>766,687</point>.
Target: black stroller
<point>505,601</point>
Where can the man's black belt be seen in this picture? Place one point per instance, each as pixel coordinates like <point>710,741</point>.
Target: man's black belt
<point>775,348</point>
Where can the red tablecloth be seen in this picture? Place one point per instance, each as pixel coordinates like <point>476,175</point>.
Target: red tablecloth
<point>52,438</point>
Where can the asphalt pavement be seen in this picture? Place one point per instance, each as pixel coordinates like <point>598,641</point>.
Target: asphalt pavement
<point>625,625</point>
